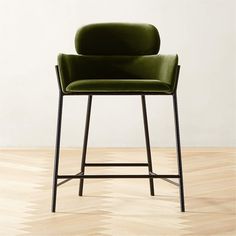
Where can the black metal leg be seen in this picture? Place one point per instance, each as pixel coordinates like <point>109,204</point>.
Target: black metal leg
<point>85,143</point>
<point>181,186</point>
<point>57,153</point>
<point>147,143</point>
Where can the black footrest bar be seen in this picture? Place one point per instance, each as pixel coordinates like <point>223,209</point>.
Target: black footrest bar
<point>68,179</point>
<point>116,164</point>
<point>115,176</point>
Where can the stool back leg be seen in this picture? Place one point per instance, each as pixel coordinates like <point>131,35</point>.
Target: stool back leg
<point>57,153</point>
<point>83,161</point>
<point>149,157</point>
<point>181,185</point>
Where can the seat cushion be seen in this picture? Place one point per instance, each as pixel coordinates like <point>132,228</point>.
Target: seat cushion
<point>118,85</point>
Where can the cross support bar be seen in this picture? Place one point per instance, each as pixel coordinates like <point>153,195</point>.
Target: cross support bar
<point>116,164</point>
<point>115,176</point>
<point>68,179</point>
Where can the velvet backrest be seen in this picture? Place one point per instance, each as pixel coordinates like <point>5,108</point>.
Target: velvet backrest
<point>117,39</point>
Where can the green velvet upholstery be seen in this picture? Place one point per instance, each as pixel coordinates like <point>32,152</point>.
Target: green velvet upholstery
<point>118,85</point>
<point>117,57</point>
<point>117,39</point>
<point>154,73</point>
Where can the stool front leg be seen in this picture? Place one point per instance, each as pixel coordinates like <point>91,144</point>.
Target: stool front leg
<point>83,161</point>
<point>57,153</point>
<point>149,157</point>
<point>181,185</point>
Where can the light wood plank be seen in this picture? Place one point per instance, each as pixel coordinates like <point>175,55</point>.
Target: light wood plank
<point>118,206</point>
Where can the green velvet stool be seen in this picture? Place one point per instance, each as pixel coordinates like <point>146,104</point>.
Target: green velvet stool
<point>117,59</point>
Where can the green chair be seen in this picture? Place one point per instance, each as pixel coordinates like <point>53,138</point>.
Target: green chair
<point>117,59</point>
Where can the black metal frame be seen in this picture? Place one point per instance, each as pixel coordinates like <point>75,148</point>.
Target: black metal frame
<point>151,175</point>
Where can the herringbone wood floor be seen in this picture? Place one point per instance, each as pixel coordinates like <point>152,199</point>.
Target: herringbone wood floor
<point>118,207</point>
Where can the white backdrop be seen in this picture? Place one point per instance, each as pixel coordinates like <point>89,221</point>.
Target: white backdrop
<point>202,32</point>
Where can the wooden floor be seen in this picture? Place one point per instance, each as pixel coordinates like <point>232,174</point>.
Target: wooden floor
<point>118,207</point>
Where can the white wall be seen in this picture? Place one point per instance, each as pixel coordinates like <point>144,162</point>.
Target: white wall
<point>202,32</point>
